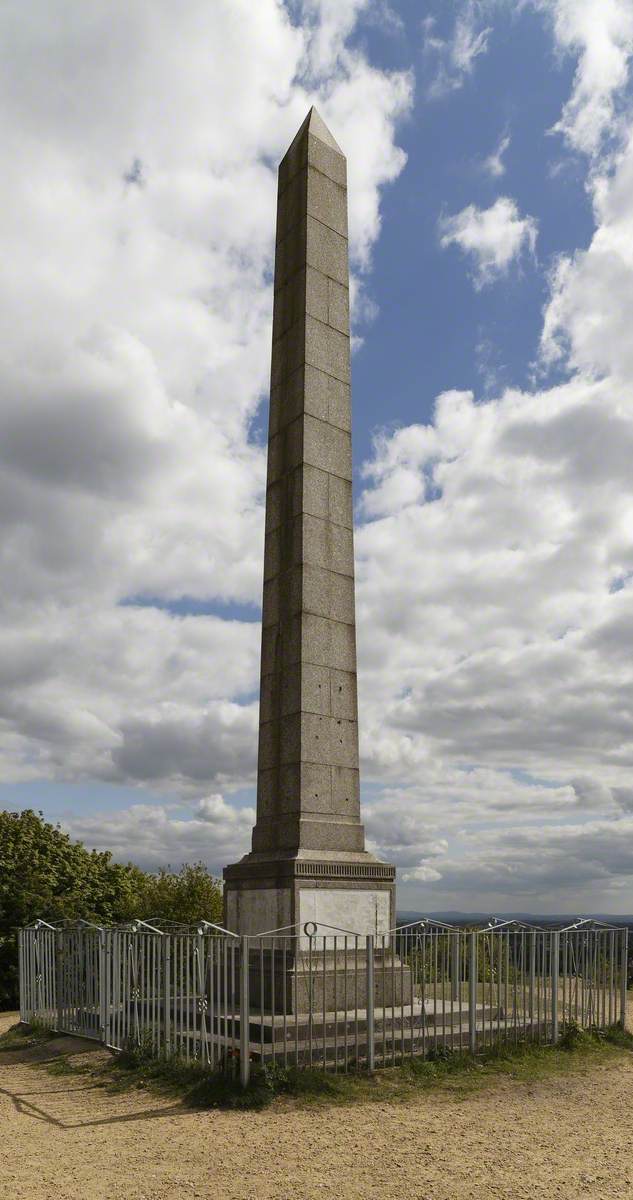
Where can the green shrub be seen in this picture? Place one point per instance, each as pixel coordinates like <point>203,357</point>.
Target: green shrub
<point>44,874</point>
<point>572,1035</point>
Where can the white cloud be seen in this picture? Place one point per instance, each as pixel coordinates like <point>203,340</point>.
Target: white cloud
<point>592,293</point>
<point>493,237</point>
<point>137,219</point>
<point>527,866</point>
<point>494,576</point>
<point>156,835</point>
<point>453,59</point>
<point>495,567</point>
<point>600,33</point>
<point>494,164</point>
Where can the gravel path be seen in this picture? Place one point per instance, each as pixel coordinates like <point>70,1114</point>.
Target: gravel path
<point>565,1137</point>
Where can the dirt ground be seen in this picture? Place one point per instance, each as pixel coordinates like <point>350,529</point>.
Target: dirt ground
<point>568,1136</point>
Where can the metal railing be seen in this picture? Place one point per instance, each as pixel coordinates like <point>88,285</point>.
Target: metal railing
<point>321,997</point>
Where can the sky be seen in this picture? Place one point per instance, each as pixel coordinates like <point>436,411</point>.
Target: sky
<point>490,165</point>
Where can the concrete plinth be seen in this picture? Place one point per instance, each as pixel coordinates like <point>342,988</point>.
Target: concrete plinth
<point>318,981</point>
<point>346,893</point>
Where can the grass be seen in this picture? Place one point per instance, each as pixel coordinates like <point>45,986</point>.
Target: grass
<point>455,1075</point>
<point>20,1037</point>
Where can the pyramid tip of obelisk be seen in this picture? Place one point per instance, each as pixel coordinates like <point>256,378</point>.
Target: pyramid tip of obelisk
<point>314,124</point>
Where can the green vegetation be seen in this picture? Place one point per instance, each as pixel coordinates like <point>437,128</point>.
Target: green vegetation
<point>20,1037</point>
<point>186,896</point>
<point>451,1074</point>
<point>44,874</point>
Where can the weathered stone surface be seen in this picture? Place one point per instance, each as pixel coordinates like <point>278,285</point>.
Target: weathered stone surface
<point>308,797</point>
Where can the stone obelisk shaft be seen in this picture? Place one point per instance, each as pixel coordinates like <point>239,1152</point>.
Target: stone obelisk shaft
<point>308,789</point>
<point>308,863</point>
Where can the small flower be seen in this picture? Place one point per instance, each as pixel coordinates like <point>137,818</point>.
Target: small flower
<point>135,993</point>
<point>202,1004</point>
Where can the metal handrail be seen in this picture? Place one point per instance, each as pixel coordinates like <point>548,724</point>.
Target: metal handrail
<point>219,928</point>
<point>219,998</point>
<point>584,921</point>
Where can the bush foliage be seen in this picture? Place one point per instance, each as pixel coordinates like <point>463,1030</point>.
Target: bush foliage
<point>44,873</point>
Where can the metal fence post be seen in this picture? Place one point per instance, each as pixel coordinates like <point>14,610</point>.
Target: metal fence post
<point>19,938</point>
<point>455,966</point>
<point>103,987</point>
<point>623,978</point>
<point>59,979</point>
<point>472,993</point>
<point>371,1046</point>
<point>167,993</point>
<point>245,1066</point>
<point>555,971</point>
<point>532,978</point>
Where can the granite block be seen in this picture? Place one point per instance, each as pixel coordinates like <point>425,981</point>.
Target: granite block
<point>325,249</point>
<point>269,694</point>
<point>290,255</point>
<point>291,204</point>
<point>330,162</point>
<point>270,650</point>
<point>315,689</point>
<point>327,447</point>
<point>343,743</point>
<point>325,348</point>
<point>269,734</point>
<point>267,791</point>
<point>270,605</point>
<point>316,298</point>
<point>289,351</point>
<point>337,307</point>
<point>327,643</point>
<point>328,594</point>
<point>343,695</point>
<point>290,739</point>
<point>346,791</point>
<point>315,739</point>
<point>272,553</point>
<point>326,834</point>
<point>290,305</point>
<point>326,200</point>
<point>316,788</point>
<point>326,398</point>
<point>289,788</point>
<point>327,545</point>
<point>275,503</point>
<point>295,159</point>
<point>343,646</point>
<point>313,494</point>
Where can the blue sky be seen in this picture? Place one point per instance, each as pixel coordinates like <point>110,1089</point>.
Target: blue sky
<point>489,146</point>
<point>426,311</point>
<point>431,321</point>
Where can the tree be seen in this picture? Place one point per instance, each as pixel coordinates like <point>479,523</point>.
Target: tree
<point>187,896</point>
<point>43,873</point>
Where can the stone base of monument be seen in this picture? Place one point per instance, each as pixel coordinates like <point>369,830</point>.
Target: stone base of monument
<point>333,892</point>
<point>281,981</point>
<point>399,1030</point>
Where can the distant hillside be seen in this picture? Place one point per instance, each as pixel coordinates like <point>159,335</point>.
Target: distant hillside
<point>455,917</point>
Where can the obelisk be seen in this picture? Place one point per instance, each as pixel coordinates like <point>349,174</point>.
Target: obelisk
<point>308,861</point>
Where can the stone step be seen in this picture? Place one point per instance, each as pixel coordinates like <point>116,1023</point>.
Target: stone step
<point>417,1016</point>
<point>388,1046</point>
